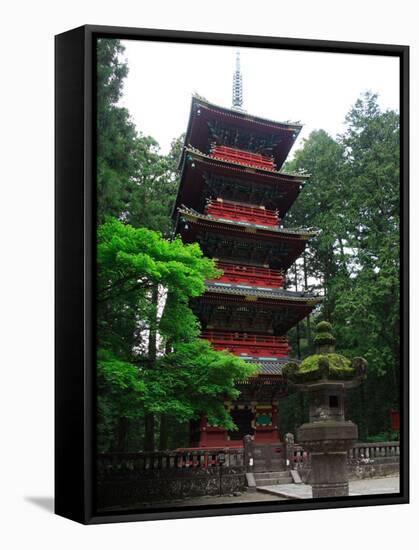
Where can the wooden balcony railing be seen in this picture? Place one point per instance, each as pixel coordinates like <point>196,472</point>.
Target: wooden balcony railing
<point>249,275</point>
<point>243,157</point>
<point>248,344</point>
<point>257,215</point>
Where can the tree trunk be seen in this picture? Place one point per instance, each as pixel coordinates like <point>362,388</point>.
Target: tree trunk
<point>342,255</point>
<point>396,363</point>
<point>308,320</point>
<point>298,341</point>
<point>149,432</point>
<point>298,324</point>
<point>164,433</point>
<point>121,434</point>
<point>302,408</point>
<point>152,339</point>
<point>164,419</point>
<point>363,427</point>
<point>395,374</point>
<point>326,306</point>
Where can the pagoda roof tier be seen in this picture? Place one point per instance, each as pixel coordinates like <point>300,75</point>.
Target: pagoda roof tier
<point>211,124</point>
<point>268,366</point>
<point>205,177</point>
<point>267,386</point>
<point>247,290</point>
<point>251,312</point>
<point>242,241</point>
<point>296,233</point>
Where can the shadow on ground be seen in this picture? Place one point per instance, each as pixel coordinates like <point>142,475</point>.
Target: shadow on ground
<point>46,503</point>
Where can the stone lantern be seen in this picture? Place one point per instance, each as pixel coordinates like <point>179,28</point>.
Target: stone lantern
<point>325,376</point>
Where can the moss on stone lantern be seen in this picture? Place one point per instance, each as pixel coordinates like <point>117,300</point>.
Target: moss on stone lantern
<point>325,363</point>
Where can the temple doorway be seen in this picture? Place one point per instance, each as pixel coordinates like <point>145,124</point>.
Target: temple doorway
<point>242,418</point>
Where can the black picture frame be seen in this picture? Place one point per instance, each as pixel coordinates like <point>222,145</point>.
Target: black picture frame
<point>75,269</point>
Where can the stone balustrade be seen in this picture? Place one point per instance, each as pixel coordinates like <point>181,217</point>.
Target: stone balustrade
<point>364,460</point>
<point>195,459</point>
<point>143,462</point>
<point>370,451</point>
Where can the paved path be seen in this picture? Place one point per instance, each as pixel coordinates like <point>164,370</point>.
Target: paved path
<point>378,486</point>
<point>272,493</point>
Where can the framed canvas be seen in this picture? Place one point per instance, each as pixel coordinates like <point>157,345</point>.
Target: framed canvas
<point>231,274</point>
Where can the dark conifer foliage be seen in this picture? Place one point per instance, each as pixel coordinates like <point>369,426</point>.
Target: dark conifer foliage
<point>135,181</point>
<point>353,196</point>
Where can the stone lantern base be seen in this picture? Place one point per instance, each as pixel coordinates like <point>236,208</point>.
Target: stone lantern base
<point>328,443</point>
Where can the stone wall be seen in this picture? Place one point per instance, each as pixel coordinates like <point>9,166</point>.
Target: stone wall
<point>381,467</point>
<point>124,479</point>
<point>160,485</point>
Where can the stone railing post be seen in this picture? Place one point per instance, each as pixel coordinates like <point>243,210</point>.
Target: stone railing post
<point>248,453</point>
<point>289,451</point>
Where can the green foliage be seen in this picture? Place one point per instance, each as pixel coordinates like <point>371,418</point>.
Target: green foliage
<point>120,394</point>
<point>131,257</point>
<point>321,204</point>
<point>294,412</point>
<point>118,379</point>
<point>155,186</point>
<point>116,134</point>
<point>290,370</point>
<point>194,379</point>
<point>131,261</point>
<point>183,382</point>
<point>383,436</point>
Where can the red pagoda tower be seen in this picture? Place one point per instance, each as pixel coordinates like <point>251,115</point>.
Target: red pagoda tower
<point>232,199</point>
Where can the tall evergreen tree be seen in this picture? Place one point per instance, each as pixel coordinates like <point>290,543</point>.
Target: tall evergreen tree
<point>135,181</point>
<point>116,134</point>
<point>353,198</point>
<point>367,317</point>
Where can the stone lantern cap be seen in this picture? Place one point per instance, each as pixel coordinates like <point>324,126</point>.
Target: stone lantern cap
<point>325,368</point>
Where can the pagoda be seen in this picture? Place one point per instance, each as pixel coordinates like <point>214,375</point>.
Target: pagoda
<point>232,199</point>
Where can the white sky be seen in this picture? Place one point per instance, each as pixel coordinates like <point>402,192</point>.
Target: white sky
<point>317,89</point>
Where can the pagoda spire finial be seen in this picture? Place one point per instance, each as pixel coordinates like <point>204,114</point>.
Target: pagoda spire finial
<point>237,85</point>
